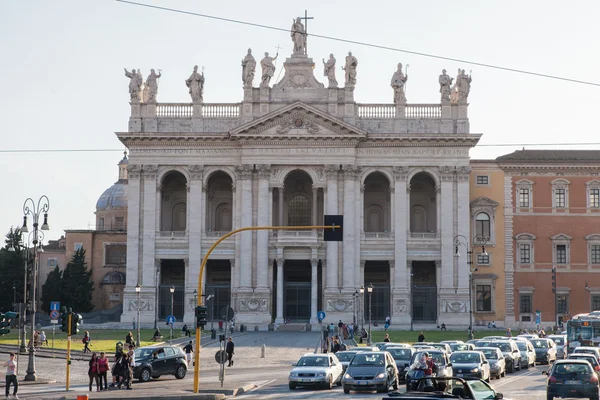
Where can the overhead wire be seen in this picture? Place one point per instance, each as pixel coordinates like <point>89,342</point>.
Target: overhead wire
<point>377,46</point>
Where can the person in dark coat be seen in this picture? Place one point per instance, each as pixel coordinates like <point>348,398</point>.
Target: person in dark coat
<point>229,349</point>
<point>421,337</point>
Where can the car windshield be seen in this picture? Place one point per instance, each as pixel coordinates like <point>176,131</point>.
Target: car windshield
<point>504,347</point>
<point>368,359</point>
<point>572,369</point>
<point>400,353</point>
<point>589,358</point>
<point>559,340</point>
<point>466,358</point>
<point>585,351</point>
<point>490,354</point>
<point>142,353</point>
<point>522,345</point>
<point>437,357</point>
<point>539,344</point>
<point>342,356</point>
<point>459,346</point>
<point>313,362</point>
<point>481,390</point>
<point>440,346</point>
<point>482,343</point>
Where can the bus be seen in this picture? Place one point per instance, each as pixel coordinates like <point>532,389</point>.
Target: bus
<point>583,330</point>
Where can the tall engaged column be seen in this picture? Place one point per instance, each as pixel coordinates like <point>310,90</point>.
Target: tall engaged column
<point>245,177</point>
<point>279,316</point>
<point>149,173</point>
<point>331,208</point>
<point>280,207</point>
<point>262,237</point>
<point>401,196</point>
<point>447,228</point>
<point>194,227</point>
<point>349,244</point>
<point>313,290</point>
<point>463,212</point>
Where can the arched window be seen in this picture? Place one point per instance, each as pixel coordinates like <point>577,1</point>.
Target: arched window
<point>299,212</point>
<point>418,219</point>
<point>374,218</point>
<point>482,225</point>
<point>179,217</point>
<point>223,217</point>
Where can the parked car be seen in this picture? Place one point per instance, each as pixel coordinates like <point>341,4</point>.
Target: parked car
<point>387,345</point>
<point>528,336</point>
<point>322,370</point>
<point>545,350</point>
<point>154,361</point>
<point>470,364</point>
<point>450,388</point>
<point>440,359</point>
<point>451,341</point>
<point>442,346</point>
<point>371,371</point>
<point>561,342</point>
<point>462,347</point>
<point>402,357</point>
<point>589,350</point>
<point>511,353</point>
<point>496,360</point>
<point>482,343</point>
<point>571,378</point>
<point>588,357</point>
<point>528,355</point>
<point>345,357</point>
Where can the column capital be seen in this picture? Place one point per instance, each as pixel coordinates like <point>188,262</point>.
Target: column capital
<point>264,171</point>
<point>232,262</point>
<point>149,171</point>
<point>447,173</point>
<point>244,171</point>
<point>134,171</point>
<point>280,261</point>
<point>400,172</point>
<point>351,171</point>
<point>196,172</point>
<point>331,171</point>
<point>314,262</point>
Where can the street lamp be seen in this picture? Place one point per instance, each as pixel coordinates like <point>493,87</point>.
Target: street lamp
<point>23,309</point>
<point>362,313</point>
<point>138,289</point>
<point>355,313</point>
<point>156,329</point>
<point>370,290</point>
<point>35,211</point>
<point>172,290</point>
<point>478,240</point>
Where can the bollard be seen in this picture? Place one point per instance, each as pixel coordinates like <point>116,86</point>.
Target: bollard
<point>263,351</point>
<point>82,397</point>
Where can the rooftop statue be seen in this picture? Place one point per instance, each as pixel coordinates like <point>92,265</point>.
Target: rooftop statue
<point>135,83</point>
<point>248,69</point>
<point>350,68</point>
<point>196,84</point>
<point>298,34</point>
<point>329,71</point>
<point>398,82</point>
<point>151,87</point>
<point>268,69</point>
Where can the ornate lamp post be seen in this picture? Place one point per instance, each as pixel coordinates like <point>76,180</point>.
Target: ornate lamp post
<point>362,313</point>
<point>478,240</point>
<point>34,210</point>
<point>355,313</point>
<point>370,290</point>
<point>138,289</point>
<point>172,290</point>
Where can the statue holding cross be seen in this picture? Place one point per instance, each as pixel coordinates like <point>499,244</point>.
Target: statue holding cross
<point>299,33</point>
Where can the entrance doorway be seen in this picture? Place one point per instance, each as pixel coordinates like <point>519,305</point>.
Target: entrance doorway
<point>424,291</point>
<point>172,274</point>
<point>378,274</point>
<point>296,290</point>
<point>218,284</point>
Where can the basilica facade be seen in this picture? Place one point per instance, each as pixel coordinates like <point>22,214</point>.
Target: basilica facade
<point>286,155</point>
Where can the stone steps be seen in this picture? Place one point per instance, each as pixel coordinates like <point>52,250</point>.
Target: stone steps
<point>291,327</point>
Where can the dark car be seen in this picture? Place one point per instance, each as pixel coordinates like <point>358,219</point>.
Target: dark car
<point>571,378</point>
<point>154,361</point>
<point>450,388</point>
<point>545,350</point>
<point>402,357</point>
<point>588,357</point>
<point>470,364</point>
<point>511,353</point>
<point>440,359</point>
<point>374,370</point>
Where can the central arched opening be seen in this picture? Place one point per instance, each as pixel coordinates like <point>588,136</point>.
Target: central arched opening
<point>376,202</point>
<point>219,203</point>
<point>174,202</point>
<point>423,212</point>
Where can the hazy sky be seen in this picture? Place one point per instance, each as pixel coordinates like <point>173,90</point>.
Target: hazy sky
<point>63,85</point>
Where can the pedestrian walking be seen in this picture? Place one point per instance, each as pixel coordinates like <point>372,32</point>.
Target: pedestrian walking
<point>189,349</point>
<point>229,349</point>
<point>43,338</point>
<point>86,342</point>
<point>421,337</point>
<point>93,371</point>
<point>508,332</point>
<point>129,339</point>
<point>11,376</point>
<point>103,371</point>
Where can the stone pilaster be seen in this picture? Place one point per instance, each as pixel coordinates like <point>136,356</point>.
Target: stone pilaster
<point>279,314</point>
<point>349,244</point>
<point>149,217</point>
<point>313,290</point>
<point>400,290</point>
<point>262,237</point>
<point>196,216</point>
<point>245,176</point>
<point>332,247</point>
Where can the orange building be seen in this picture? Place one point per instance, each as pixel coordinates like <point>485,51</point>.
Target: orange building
<point>552,206</point>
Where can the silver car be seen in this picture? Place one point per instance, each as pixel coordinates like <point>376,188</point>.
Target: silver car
<point>560,341</point>
<point>528,357</point>
<point>371,371</point>
<point>496,360</point>
<point>321,370</point>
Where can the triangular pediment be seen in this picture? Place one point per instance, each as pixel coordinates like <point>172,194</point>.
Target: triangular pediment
<point>295,121</point>
<point>484,202</point>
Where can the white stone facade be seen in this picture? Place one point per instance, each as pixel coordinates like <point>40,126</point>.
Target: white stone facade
<point>287,155</point>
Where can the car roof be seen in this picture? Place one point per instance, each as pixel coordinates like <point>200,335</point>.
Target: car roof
<point>587,347</point>
<point>317,354</point>
<point>586,355</point>
<point>570,361</point>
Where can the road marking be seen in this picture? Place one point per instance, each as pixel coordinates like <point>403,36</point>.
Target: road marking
<point>515,377</point>
<point>264,384</point>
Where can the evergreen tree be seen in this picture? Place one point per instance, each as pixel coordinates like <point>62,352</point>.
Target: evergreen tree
<point>52,289</point>
<point>77,284</point>
<point>12,270</point>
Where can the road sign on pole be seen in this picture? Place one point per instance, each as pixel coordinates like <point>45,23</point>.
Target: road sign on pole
<point>538,317</point>
<point>170,320</point>
<point>54,305</point>
<point>321,315</point>
<point>54,314</point>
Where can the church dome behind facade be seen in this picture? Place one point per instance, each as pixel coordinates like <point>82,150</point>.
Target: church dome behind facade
<point>111,207</point>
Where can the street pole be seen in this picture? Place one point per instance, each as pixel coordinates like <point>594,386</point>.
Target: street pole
<point>172,289</point>
<point>195,301</point>
<point>470,302</point>
<point>138,289</point>
<point>156,302</point>
<point>370,289</point>
<point>69,320</point>
<point>22,332</point>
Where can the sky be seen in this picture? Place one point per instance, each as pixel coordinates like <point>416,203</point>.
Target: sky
<point>63,86</point>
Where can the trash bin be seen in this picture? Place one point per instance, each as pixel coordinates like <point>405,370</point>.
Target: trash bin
<point>213,333</point>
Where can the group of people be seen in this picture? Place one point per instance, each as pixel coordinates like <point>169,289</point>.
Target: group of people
<point>121,369</point>
<point>97,371</point>
<point>40,339</point>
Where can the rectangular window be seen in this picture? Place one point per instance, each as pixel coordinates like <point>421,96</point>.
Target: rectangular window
<point>119,222</point>
<point>482,179</point>
<point>595,302</point>
<point>595,198</point>
<point>77,246</point>
<point>562,303</point>
<point>561,254</point>
<point>52,262</point>
<point>484,298</point>
<point>523,197</point>
<point>115,254</point>
<point>595,253</point>
<point>483,259</point>
<point>560,198</point>
<point>525,253</point>
<point>525,303</point>
<point>100,223</point>
<point>114,297</point>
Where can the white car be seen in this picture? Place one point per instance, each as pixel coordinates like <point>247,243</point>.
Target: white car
<point>322,370</point>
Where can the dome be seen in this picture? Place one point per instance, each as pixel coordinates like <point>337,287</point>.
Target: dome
<point>114,278</point>
<point>115,196</point>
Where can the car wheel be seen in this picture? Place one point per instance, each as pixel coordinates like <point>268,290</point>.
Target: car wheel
<point>180,372</point>
<point>346,390</point>
<point>548,397</point>
<point>145,375</point>
<point>292,385</point>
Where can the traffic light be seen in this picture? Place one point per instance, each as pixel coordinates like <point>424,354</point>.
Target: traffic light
<point>201,315</point>
<point>76,319</point>
<point>553,279</point>
<point>333,234</point>
<point>4,325</point>
<point>64,320</point>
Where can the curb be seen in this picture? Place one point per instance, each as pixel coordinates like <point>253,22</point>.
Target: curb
<point>29,383</point>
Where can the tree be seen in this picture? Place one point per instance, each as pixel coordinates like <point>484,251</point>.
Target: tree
<point>12,270</point>
<point>77,284</point>
<point>52,289</point>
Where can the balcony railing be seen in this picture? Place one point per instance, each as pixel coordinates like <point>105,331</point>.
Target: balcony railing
<point>423,235</point>
<point>221,110</point>
<point>376,111</point>
<point>216,233</point>
<point>388,111</point>
<point>378,235</point>
<point>174,110</point>
<point>424,111</point>
<point>209,110</point>
<point>172,233</point>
